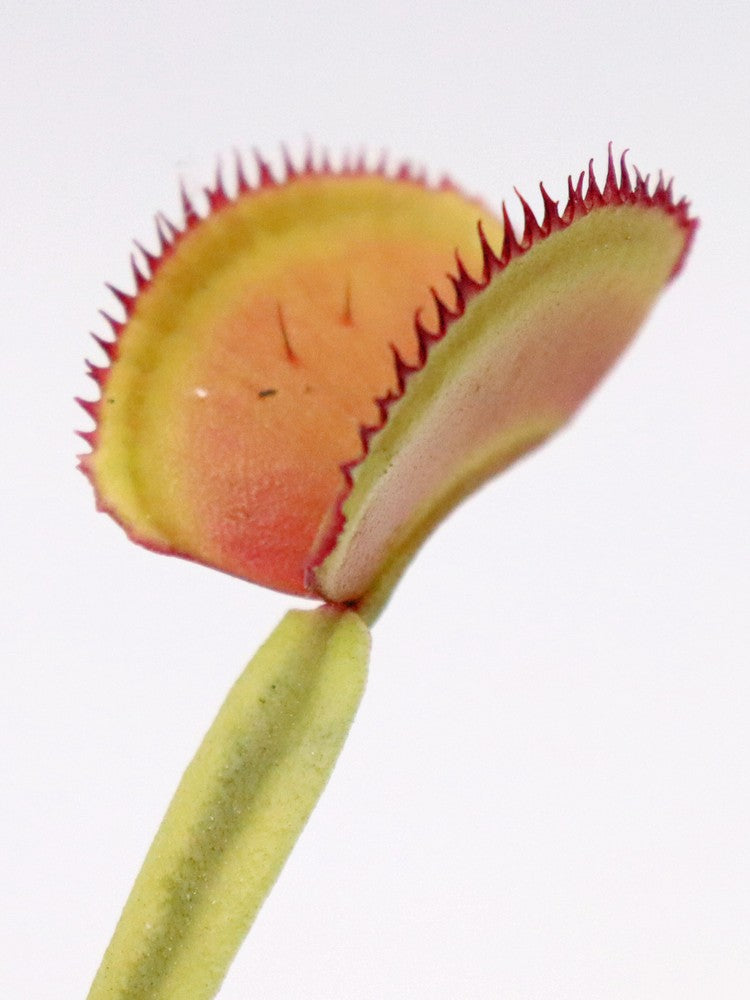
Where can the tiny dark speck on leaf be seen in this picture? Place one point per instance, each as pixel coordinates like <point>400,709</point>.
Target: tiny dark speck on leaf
<point>267,392</point>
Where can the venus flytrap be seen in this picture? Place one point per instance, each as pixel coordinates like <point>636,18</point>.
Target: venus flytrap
<point>304,384</point>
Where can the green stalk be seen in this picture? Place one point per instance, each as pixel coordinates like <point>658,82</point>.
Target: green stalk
<point>238,811</point>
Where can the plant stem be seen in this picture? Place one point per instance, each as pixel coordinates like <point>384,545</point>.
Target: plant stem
<point>238,811</point>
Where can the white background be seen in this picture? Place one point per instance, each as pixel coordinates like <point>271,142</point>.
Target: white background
<point>546,794</point>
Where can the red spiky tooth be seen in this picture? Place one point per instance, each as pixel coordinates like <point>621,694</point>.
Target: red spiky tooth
<point>610,192</point>
<point>641,186</point>
<point>511,246</point>
<point>575,202</point>
<point>626,187</point>
<point>425,338</point>
<point>190,215</point>
<point>348,467</point>
<point>682,212</point>
<point>593,197</point>
<point>140,279</point>
<point>108,346</point>
<point>531,228</point>
<point>690,226</point>
<point>367,432</point>
<point>91,407</point>
<point>575,205</point>
<point>382,404</point>
<point>402,368</point>
<point>266,178</point>
<point>215,199</point>
<point>83,460</point>
<point>161,235</point>
<point>217,195</point>
<point>444,314</point>
<point>290,171</point>
<point>455,281</point>
<point>97,372</point>
<point>489,259</point>
<point>551,222</point>
<point>116,324</point>
<point>151,259</point>
<point>308,164</point>
<point>325,164</point>
<point>243,185</point>
<point>466,283</point>
<point>403,173</point>
<point>220,189</point>
<point>168,232</point>
<point>126,301</point>
<point>580,196</point>
<point>658,197</point>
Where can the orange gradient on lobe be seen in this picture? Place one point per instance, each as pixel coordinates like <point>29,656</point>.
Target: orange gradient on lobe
<point>320,355</point>
<point>250,363</point>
